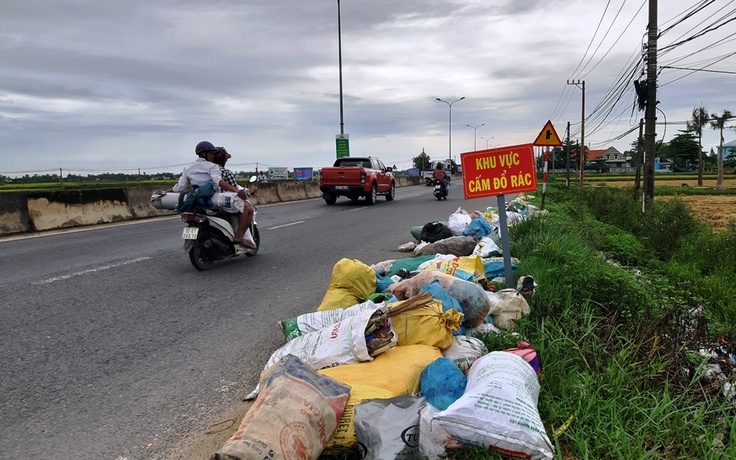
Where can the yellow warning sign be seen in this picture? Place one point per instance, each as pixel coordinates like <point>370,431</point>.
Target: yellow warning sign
<point>548,136</point>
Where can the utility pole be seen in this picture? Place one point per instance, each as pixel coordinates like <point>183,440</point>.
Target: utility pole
<point>567,180</point>
<point>581,84</point>
<point>639,151</point>
<point>650,115</point>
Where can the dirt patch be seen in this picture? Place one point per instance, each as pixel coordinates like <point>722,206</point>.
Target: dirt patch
<point>715,210</point>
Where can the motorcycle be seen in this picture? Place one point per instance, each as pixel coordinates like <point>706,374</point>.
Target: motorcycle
<point>440,190</point>
<point>210,231</point>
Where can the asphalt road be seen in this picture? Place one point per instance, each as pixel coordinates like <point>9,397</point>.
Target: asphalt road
<point>114,347</point>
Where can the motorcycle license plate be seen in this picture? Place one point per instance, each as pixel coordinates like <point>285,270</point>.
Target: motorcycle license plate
<point>189,233</point>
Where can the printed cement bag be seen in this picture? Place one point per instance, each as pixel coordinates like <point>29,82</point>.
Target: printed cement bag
<point>340,343</point>
<point>388,429</point>
<point>293,417</point>
<point>311,322</point>
<point>472,265</point>
<point>498,410</point>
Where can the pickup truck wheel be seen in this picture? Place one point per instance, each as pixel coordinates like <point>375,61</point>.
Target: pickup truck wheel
<point>371,198</point>
<point>391,192</point>
<point>330,199</point>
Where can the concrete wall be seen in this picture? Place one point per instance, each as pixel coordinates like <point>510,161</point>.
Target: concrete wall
<point>26,212</point>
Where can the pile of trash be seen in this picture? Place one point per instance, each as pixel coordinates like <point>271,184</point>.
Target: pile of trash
<point>391,362</point>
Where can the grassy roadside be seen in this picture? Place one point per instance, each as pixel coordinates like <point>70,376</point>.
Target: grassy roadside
<point>631,316</point>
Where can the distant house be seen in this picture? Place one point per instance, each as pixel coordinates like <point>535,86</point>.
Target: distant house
<point>615,160</point>
<point>729,148</point>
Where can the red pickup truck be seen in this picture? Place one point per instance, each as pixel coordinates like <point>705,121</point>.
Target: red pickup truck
<point>356,177</point>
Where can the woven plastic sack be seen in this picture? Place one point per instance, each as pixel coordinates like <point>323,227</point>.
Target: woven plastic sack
<point>465,350</point>
<point>351,283</point>
<point>272,428</point>
<point>498,410</point>
<point>428,325</point>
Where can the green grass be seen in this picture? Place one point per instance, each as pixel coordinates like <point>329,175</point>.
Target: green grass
<point>612,321</point>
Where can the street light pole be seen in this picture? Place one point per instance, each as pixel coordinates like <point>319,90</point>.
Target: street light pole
<point>449,104</point>
<point>475,133</point>
<point>339,57</point>
<point>488,140</point>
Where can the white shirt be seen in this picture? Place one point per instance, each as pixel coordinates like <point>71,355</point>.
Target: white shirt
<point>199,173</point>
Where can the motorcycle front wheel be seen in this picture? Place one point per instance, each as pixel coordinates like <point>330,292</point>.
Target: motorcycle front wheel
<point>201,258</point>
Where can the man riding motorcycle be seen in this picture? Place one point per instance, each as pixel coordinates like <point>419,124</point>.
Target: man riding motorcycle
<point>204,171</point>
<point>441,174</point>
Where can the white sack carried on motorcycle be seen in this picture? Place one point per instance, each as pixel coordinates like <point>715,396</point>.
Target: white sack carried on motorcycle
<point>339,343</point>
<point>227,201</point>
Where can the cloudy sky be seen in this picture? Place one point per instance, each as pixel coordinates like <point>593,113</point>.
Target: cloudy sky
<point>93,86</point>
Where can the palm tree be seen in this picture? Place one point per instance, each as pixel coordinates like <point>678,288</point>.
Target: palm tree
<point>696,125</point>
<point>718,123</point>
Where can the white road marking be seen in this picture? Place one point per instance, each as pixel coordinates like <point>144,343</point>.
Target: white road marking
<point>91,270</point>
<point>286,225</point>
<point>358,209</point>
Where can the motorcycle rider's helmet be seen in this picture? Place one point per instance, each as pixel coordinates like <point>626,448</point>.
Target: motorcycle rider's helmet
<point>221,156</point>
<point>204,147</point>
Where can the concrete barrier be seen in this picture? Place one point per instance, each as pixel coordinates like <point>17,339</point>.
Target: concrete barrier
<point>264,192</point>
<point>63,209</point>
<point>14,213</point>
<point>38,211</point>
<point>291,191</point>
<point>139,203</point>
<point>313,190</point>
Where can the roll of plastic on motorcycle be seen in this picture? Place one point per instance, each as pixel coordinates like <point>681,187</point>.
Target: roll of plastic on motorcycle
<point>171,200</point>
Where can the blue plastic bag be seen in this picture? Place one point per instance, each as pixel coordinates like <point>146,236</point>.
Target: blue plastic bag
<point>442,383</point>
<point>478,228</point>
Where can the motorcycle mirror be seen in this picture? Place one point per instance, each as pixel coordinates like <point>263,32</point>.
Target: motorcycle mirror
<point>253,179</point>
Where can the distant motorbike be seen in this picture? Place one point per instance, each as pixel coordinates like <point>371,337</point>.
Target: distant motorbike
<point>440,190</point>
<point>209,234</point>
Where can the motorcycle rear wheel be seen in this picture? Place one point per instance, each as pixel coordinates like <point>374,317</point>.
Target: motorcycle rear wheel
<point>200,258</point>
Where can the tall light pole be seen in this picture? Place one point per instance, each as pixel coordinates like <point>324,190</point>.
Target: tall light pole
<point>449,104</point>
<point>488,140</point>
<point>475,133</point>
<point>339,57</point>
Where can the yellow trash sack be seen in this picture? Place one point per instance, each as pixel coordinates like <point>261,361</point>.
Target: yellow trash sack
<point>395,372</point>
<point>351,283</point>
<point>427,325</point>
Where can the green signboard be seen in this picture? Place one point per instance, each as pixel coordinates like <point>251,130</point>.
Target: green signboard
<point>342,145</point>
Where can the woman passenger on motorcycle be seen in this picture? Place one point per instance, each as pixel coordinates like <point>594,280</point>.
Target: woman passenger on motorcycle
<point>203,171</point>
